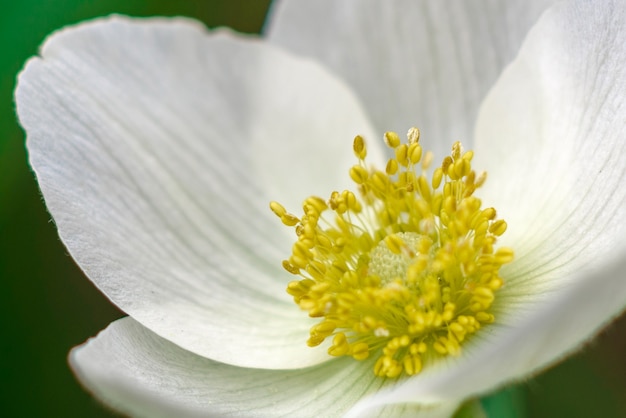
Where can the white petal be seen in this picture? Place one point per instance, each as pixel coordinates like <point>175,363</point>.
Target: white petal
<point>551,135</point>
<point>158,147</point>
<point>425,63</point>
<point>139,373</point>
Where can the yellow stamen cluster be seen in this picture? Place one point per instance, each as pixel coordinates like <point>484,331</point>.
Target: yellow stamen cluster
<point>407,269</point>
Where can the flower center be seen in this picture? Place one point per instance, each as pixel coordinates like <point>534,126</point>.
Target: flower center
<point>389,265</point>
<point>407,270</point>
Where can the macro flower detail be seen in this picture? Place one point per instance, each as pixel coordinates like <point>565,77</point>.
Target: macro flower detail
<point>406,272</point>
<point>157,145</point>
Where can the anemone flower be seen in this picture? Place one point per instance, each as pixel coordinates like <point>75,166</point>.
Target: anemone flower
<point>158,146</point>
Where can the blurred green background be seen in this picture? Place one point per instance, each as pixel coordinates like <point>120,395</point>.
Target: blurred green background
<point>47,305</point>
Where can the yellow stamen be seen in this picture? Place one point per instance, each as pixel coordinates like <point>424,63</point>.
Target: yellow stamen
<point>405,271</point>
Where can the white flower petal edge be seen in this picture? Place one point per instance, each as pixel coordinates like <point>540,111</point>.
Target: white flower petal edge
<point>136,372</point>
<point>158,146</point>
<point>551,135</point>
<point>425,63</point>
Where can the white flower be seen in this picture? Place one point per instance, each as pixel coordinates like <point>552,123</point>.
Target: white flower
<point>158,146</point>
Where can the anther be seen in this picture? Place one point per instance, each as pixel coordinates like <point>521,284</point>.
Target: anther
<point>392,139</point>
<point>413,135</point>
<point>359,148</point>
